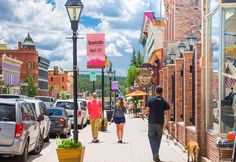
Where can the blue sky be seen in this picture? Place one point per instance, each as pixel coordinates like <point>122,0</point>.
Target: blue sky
<point>120,20</point>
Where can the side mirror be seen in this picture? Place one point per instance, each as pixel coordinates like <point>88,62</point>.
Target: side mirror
<point>40,117</point>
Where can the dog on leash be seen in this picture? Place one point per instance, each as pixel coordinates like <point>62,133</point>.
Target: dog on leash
<point>193,151</point>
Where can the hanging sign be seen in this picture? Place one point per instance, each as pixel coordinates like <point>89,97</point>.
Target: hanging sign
<point>115,86</point>
<point>93,76</point>
<point>144,78</point>
<point>95,50</point>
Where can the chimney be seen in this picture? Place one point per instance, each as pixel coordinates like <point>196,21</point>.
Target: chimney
<point>19,45</point>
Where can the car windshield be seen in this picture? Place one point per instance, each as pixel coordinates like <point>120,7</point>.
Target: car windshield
<point>9,96</point>
<point>66,105</point>
<point>7,112</point>
<point>44,99</point>
<point>54,112</point>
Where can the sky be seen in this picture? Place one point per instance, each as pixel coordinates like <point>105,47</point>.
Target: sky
<point>120,20</point>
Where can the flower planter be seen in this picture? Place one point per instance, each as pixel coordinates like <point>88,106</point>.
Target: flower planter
<point>70,155</point>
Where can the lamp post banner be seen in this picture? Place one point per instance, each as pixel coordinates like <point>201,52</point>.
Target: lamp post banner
<point>96,44</point>
<point>96,50</point>
<point>115,86</point>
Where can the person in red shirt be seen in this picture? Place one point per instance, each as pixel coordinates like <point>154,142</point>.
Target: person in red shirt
<point>95,115</point>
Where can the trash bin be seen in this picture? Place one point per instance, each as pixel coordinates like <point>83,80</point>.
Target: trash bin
<point>109,115</point>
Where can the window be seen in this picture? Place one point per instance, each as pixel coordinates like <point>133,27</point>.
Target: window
<point>228,85</point>
<point>62,79</point>
<point>7,112</point>
<point>54,112</point>
<point>51,79</point>
<point>27,112</point>
<point>42,108</point>
<point>62,87</point>
<point>29,65</point>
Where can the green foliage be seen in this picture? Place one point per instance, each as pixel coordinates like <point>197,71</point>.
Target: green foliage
<point>132,73</point>
<point>68,144</point>
<point>133,59</point>
<point>31,90</point>
<point>84,85</point>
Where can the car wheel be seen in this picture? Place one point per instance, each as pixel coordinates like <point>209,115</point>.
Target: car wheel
<point>24,156</point>
<point>39,146</point>
<point>64,135</point>
<point>47,138</point>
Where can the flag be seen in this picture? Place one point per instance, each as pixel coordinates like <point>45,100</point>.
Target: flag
<point>229,81</point>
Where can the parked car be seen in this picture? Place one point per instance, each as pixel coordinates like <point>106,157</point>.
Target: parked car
<point>60,122</point>
<point>83,105</point>
<point>8,96</point>
<point>19,129</point>
<point>40,109</point>
<point>48,100</point>
<point>69,106</point>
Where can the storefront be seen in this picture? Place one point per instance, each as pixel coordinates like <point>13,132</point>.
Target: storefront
<point>221,73</point>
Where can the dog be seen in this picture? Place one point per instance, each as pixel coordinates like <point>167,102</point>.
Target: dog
<point>193,151</point>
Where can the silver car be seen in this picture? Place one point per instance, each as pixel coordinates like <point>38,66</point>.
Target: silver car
<point>69,106</point>
<point>48,100</point>
<point>19,129</point>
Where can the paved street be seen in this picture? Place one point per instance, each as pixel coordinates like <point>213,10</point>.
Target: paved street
<point>135,148</point>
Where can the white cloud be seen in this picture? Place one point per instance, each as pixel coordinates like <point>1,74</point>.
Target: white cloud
<point>111,50</point>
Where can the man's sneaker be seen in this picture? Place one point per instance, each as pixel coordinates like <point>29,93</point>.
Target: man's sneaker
<point>96,141</point>
<point>156,158</point>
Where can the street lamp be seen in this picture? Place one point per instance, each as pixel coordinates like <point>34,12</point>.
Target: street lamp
<point>182,48</point>
<point>172,56</point>
<point>110,74</point>
<point>191,41</point>
<point>74,9</point>
<point>167,59</point>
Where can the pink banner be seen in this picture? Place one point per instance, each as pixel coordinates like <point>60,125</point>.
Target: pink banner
<point>96,44</point>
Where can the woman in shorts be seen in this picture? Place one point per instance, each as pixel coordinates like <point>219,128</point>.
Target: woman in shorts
<point>119,118</point>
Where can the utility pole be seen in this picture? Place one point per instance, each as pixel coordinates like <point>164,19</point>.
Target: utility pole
<point>102,127</point>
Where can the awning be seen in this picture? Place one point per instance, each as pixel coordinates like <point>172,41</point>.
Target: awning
<point>137,93</point>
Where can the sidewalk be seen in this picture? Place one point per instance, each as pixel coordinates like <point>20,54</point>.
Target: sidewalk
<point>134,149</point>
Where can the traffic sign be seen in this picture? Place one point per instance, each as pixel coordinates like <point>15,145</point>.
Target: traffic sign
<point>93,76</point>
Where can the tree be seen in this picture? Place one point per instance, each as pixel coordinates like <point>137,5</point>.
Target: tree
<point>31,90</point>
<point>140,59</point>
<point>134,59</point>
<point>132,73</point>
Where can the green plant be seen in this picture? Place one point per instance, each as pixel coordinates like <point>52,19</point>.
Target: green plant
<point>68,144</point>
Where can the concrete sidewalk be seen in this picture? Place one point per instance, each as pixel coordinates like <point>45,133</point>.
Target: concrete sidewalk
<point>134,149</point>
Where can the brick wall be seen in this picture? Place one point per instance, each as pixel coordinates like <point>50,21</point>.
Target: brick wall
<point>191,134</point>
<point>212,151</point>
<point>165,82</point>
<point>170,73</point>
<point>187,88</point>
<point>181,133</point>
<point>161,77</point>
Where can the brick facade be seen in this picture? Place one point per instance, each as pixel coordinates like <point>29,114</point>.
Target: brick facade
<point>57,82</point>
<point>178,22</point>
<point>187,88</point>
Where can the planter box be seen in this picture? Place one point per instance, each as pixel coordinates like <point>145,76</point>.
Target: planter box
<point>70,155</point>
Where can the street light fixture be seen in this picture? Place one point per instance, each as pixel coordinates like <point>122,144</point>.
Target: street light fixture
<point>191,41</point>
<point>167,59</point>
<point>182,48</point>
<point>74,9</point>
<point>172,56</point>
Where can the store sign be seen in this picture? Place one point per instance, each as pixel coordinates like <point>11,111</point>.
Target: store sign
<point>228,1</point>
<point>115,86</point>
<point>93,76</point>
<point>96,50</point>
<point>144,78</point>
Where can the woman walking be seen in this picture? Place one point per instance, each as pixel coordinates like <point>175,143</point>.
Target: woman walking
<point>119,118</point>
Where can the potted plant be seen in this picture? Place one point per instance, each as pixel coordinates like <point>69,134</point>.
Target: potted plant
<point>70,150</point>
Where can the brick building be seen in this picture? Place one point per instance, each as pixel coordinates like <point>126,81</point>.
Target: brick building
<point>28,54</point>
<point>57,79</point>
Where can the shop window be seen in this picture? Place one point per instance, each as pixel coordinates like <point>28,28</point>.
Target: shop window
<point>213,4</point>
<point>228,93</point>
<point>213,72</point>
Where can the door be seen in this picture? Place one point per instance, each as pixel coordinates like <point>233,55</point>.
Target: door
<point>30,123</point>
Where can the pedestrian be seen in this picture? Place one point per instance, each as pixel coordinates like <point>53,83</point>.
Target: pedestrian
<point>95,115</point>
<point>158,109</point>
<point>119,118</point>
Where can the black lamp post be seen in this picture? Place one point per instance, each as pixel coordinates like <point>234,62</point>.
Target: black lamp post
<point>110,77</point>
<point>192,41</point>
<point>167,59</point>
<point>172,56</point>
<point>74,9</point>
<point>182,48</point>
